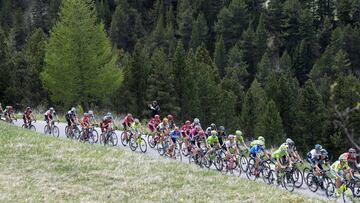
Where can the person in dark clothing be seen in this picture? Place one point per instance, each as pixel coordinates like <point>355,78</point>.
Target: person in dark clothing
<point>155,109</point>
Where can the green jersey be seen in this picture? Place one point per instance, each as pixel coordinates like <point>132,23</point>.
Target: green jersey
<point>212,139</point>
<point>278,154</point>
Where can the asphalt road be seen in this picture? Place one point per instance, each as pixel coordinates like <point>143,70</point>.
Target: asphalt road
<point>153,153</point>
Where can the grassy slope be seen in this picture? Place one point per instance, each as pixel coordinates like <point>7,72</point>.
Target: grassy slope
<point>38,168</point>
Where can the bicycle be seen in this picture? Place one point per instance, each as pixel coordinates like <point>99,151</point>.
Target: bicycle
<point>125,137</point>
<point>216,158</point>
<point>263,170</point>
<point>72,132</point>
<point>29,125</point>
<point>199,158</point>
<point>285,178</point>
<point>315,182</point>
<point>109,137</point>
<point>138,142</point>
<point>54,130</point>
<point>153,139</point>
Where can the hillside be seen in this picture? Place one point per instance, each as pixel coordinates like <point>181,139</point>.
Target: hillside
<point>38,168</point>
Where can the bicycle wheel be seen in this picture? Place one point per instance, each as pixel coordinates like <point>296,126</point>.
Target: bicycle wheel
<point>271,177</point>
<point>46,129</point>
<point>32,128</point>
<point>184,149</point>
<point>330,189</point>
<point>67,133</point>
<point>132,143</point>
<point>114,138</point>
<point>23,126</point>
<point>288,182</point>
<point>311,180</point>
<point>143,145</point>
<point>355,187</point>
<point>219,163</point>
<point>305,172</point>
<point>124,138</point>
<point>244,163</point>
<point>298,177</point>
<point>55,131</point>
<point>95,135</point>
<point>161,148</point>
<point>76,133</point>
<point>251,172</point>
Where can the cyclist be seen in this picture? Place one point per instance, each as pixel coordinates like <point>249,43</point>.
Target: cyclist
<point>351,158</point>
<point>71,117</point>
<point>186,128</point>
<point>50,115</point>
<point>293,154</point>
<point>231,149</point>
<point>153,123</point>
<point>221,135</point>
<point>28,116</point>
<point>85,124</point>
<point>240,141</point>
<point>172,124</point>
<point>341,170</point>
<point>212,142</point>
<point>209,129</point>
<point>174,134</point>
<point>136,128</point>
<point>196,123</point>
<point>92,117</point>
<point>9,114</point>
<point>260,140</point>
<point>105,124</point>
<point>282,158</point>
<point>127,121</point>
<point>257,152</point>
<point>317,157</point>
<point>198,137</point>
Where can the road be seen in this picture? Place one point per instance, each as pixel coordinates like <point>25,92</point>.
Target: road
<point>153,153</point>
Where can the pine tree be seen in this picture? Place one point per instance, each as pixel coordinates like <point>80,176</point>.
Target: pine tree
<point>263,69</point>
<point>236,62</point>
<point>199,32</point>
<point>248,46</point>
<point>261,38</point>
<point>232,21</point>
<point>78,50</point>
<point>310,117</point>
<point>253,107</point>
<point>286,64</point>
<point>270,125</point>
<point>160,84</point>
<point>4,65</point>
<point>170,32</point>
<point>184,21</point>
<point>220,56</point>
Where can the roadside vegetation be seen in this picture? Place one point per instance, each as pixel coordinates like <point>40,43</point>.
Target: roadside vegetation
<point>37,168</point>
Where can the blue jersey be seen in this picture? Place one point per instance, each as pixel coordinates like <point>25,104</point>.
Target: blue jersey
<point>174,134</point>
<point>256,149</point>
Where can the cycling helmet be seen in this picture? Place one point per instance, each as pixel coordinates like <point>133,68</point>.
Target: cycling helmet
<point>231,136</point>
<point>290,142</point>
<point>187,122</point>
<point>136,120</point>
<point>129,115</point>
<point>170,117</point>
<point>155,103</point>
<point>342,158</point>
<point>157,117</point>
<point>222,128</point>
<point>213,132</point>
<point>196,120</point>
<point>165,120</point>
<point>261,138</point>
<point>238,133</point>
<point>51,109</point>
<point>198,128</point>
<point>73,109</point>
<point>323,152</point>
<point>352,150</point>
<point>85,114</point>
<point>91,113</point>
<point>109,114</point>
<point>284,147</point>
<point>28,108</point>
<point>318,147</point>
<point>213,126</point>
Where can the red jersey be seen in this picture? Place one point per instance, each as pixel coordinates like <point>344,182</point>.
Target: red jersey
<point>348,157</point>
<point>128,120</point>
<point>26,115</point>
<point>86,121</point>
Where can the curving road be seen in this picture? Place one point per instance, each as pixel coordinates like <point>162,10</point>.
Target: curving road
<point>153,153</point>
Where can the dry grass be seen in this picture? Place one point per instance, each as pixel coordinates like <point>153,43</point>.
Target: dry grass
<point>35,168</point>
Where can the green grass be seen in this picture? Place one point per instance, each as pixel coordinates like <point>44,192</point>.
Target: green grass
<point>37,168</point>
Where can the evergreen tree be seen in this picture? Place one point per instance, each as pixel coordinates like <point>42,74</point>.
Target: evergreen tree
<point>160,84</point>
<point>248,46</point>
<point>79,58</point>
<point>236,62</point>
<point>253,107</point>
<point>261,38</point>
<point>220,56</point>
<point>286,64</point>
<point>170,32</point>
<point>4,65</point>
<point>263,69</point>
<point>270,125</point>
<point>199,32</point>
<point>184,21</point>
<point>310,118</point>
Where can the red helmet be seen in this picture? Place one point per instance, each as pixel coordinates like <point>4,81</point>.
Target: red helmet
<point>170,117</point>
<point>157,117</point>
<point>187,122</point>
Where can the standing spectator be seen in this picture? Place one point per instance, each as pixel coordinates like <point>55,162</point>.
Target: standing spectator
<point>155,109</point>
